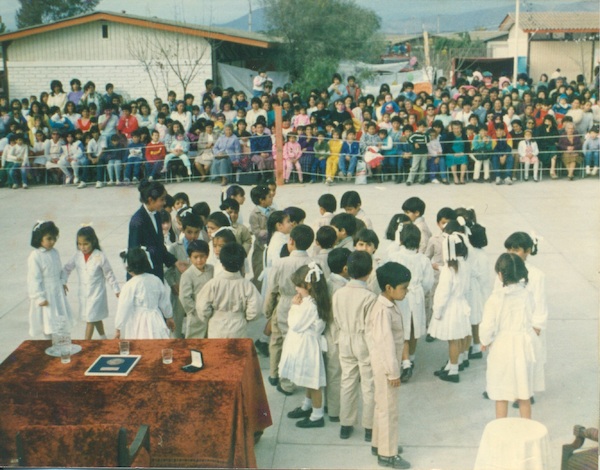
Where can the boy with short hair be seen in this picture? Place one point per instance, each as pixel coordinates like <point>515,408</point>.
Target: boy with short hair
<point>327,206</point>
<point>419,141</point>
<point>502,156</point>
<point>414,208</point>
<point>135,158</point>
<point>367,240</point>
<point>352,203</point>
<point>348,156</point>
<point>385,340</point>
<point>262,199</point>
<point>324,242</point>
<point>350,306</point>
<point>155,155</point>
<point>280,292</point>
<point>345,227</point>
<point>191,283</point>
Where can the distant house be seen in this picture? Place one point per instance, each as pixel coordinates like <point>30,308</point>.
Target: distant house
<point>546,41</point>
<point>141,56</point>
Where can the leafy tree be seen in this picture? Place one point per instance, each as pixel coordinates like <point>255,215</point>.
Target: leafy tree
<point>317,34</point>
<point>34,12</point>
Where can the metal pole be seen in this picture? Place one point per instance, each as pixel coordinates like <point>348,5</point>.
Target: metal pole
<point>516,62</point>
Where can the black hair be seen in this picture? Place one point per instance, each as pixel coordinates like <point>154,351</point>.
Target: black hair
<point>317,288</point>
<point>327,202</point>
<point>521,240</point>
<point>219,219</point>
<point>169,201</point>
<point>454,226</point>
<point>414,204</point>
<point>410,237</point>
<point>296,214</point>
<point>337,259</point>
<point>90,235</point>
<point>189,219</point>
<point>232,191</point>
<point>150,190</point>
<point>360,264</point>
<point>350,199</point>
<point>395,221</point>
<point>303,236</point>
<point>344,221</point>
<point>182,197</point>
<point>165,216</point>
<point>446,213</point>
<point>198,246</point>
<point>225,234</point>
<point>258,193</point>
<point>276,217</point>
<point>136,261</point>
<point>40,230</point>
<point>478,237</point>
<point>326,237</point>
<point>512,268</point>
<point>202,209</point>
<point>392,274</point>
<point>230,203</point>
<point>460,247</point>
<point>232,257</point>
<point>368,236</point>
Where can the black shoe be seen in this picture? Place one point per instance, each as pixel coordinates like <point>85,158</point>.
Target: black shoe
<point>281,390</point>
<point>461,367</point>
<point>262,347</point>
<point>274,381</point>
<point>406,374</point>
<point>346,432</point>
<point>429,338</point>
<point>441,371</point>
<point>368,435</point>
<point>450,378</point>
<point>374,450</point>
<point>485,395</point>
<point>393,462</point>
<point>299,413</point>
<point>408,183</point>
<point>477,355</point>
<point>308,423</point>
<point>445,182</point>
<point>516,403</point>
<point>334,419</point>
<point>466,363</point>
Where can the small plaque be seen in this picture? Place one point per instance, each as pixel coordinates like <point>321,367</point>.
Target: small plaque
<point>113,365</point>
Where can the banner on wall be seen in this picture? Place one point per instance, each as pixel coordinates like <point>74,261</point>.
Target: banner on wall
<point>241,79</point>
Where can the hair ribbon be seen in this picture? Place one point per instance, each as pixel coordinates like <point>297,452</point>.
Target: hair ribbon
<point>398,231</point>
<point>313,269</point>
<point>148,256</point>
<point>37,224</point>
<point>463,223</point>
<point>535,237</point>
<point>449,246</point>
<point>89,224</point>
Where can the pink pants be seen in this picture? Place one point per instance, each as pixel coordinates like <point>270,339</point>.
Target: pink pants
<point>288,166</point>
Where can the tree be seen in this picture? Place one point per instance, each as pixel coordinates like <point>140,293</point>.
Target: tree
<point>457,48</point>
<point>317,34</point>
<point>34,12</point>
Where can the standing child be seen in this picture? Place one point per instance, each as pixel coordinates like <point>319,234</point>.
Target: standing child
<point>144,304</point>
<point>327,206</point>
<point>419,141</point>
<point>279,228</point>
<point>322,152</point>
<point>94,272</point>
<point>325,239</point>
<point>237,193</point>
<point>302,354</point>
<point>414,208</point>
<point>262,198</point>
<point>335,148</point>
<point>228,301</point>
<point>413,307</point>
<point>49,311</point>
<point>392,235</point>
<point>191,283</point>
<point>345,228</point>
<point>528,154</point>
<point>291,157</point>
<point>352,203</point>
<point>134,158</point>
<point>385,337</point>
<point>507,332</point>
<point>242,235</point>
<point>351,305</point>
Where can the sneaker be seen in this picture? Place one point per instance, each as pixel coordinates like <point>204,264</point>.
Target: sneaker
<point>408,183</point>
<point>126,181</point>
<point>435,181</point>
<point>110,183</point>
<point>189,171</point>
<point>151,178</point>
<point>81,185</point>
<point>498,180</point>
<point>76,181</point>
<point>445,182</point>
<point>508,181</point>
<point>25,186</point>
<point>588,170</point>
<point>99,184</point>
<point>68,180</point>
<point>341,174</point>
<point>392,462</point>
<point>119,183</point>
<point>136,181</point>
<point>179,179</point>
<point>312,181</point>
<point>15,186</point>
<point>595,171</point>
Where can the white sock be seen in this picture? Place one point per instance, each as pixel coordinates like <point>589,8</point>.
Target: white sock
<point>453,369</point>
<point>476,348</point>
<point>306,404</point>
<point>447,366</point>
<point>412,358</point>
<point>317,413</point>
<point>103,337</point>
<point>461,358</point>
<point>406,364</point>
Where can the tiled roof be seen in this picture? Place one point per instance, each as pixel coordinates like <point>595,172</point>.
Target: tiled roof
<point>562,22</point>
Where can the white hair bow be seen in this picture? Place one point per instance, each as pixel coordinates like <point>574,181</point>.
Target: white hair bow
<point>463,223</point>
<point>89,224</point>
<point>535,237</point>
<point>37,224</point>
<point>313,268</point>
<point>148,256</point>
<point>400,227</point>
<point>220,229</point>
<point>183,212</point>
<point>449,246</point>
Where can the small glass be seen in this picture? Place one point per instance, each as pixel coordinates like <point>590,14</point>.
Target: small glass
<point>167,356</point>
<point>124,348</point>
<point>65,353</point>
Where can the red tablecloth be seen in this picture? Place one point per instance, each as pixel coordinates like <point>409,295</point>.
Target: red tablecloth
<point>208,418</point>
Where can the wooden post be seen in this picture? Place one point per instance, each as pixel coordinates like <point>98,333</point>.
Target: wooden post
<point>278,145</point>
<point>426,47</point>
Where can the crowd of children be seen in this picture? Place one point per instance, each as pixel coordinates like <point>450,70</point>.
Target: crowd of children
<point>343,314</point>
<point>332,134</point>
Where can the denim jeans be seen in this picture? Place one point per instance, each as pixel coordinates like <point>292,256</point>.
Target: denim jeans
<point>153,168</point>
<point>591,158</point>
<point>133,165</point>
<point>11,167</point>
<point>347,167</point>
<point>114,170</point>
<point>437,169</point>
<point>499,172</point>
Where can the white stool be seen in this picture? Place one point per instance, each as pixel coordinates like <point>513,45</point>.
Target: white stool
<point>515,444</point>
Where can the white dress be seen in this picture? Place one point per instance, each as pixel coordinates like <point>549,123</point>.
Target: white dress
<point>45,281</point>
<point>144,304</point>
<point>421,282</point>
<point>481,283</point>
<point>506,328</point>
<point>93,276</point>
<point>451,311</point>
<point>302,355</point>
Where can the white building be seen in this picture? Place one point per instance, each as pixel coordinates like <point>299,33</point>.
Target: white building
<point>142,57</point>
<point>546,41</point>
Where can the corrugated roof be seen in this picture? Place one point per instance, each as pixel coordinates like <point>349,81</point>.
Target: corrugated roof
<point>552,21</point>
<point>209,32</point>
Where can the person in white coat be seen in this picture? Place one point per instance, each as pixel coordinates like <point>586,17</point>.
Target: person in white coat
<point>49,310</point>
<point>412,306</point>
<point>144,310</point>
<point>507,332</point>
<point>94,272</point>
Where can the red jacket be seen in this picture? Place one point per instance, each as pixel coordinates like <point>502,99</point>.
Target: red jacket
<point>155,151</point>
<point>127,125</point>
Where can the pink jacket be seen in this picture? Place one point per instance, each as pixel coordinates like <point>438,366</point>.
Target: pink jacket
<point>291,150</point>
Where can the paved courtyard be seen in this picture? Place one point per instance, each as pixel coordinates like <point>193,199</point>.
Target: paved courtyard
<point>440,423</point>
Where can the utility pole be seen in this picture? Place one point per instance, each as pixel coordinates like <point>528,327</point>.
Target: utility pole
<point>516,61</point>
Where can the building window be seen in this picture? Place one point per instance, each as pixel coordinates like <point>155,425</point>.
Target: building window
<point>104,31</point>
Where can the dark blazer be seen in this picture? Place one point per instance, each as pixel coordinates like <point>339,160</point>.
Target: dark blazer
<point>143,233</point>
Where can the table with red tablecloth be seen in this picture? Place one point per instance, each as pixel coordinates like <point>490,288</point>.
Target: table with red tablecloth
<point>204,419</point>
